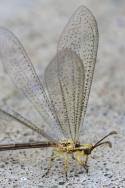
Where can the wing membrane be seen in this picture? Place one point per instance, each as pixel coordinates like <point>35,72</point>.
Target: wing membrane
<point>21,71</point>
<point>68,77</point>
<point>81,36</point>
<point>10,115</point>
<point>65,83</point>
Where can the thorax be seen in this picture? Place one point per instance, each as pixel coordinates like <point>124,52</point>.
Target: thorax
<point>69,146</point>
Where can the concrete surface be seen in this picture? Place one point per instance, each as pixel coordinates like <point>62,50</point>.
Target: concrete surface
<point>38,25</point>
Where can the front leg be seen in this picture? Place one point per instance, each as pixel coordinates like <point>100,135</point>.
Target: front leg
<point>85,165</point>
<point>79,158</point>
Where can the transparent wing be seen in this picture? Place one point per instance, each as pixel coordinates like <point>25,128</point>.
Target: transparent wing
<point>21,71</point>
<point>74,63</point>
<point>10,115</point>
<point>81,36</point>
<point>78,42</point>
<point>64,83</point>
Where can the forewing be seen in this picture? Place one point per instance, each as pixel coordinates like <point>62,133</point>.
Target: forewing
<point>81,36</point>
<point>21,71</point>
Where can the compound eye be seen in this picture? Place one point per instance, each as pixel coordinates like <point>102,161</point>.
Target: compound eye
<point>87,151</point>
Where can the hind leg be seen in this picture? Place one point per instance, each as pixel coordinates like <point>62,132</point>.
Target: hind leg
<point>52,158</point>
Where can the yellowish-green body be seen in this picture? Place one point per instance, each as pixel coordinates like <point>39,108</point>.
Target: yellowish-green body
<point>67,148</point>
<point>79,152</point>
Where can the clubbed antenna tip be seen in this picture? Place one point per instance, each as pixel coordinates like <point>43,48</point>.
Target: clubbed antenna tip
<point>106,142</point>
<point>113,132</point>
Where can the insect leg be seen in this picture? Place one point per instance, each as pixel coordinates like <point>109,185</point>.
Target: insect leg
<point>86,160</point>
<point>53,156</point>
<point>85,164</point>
<point>73,157</point>
<point>66,164</point>
<point>79,155</point>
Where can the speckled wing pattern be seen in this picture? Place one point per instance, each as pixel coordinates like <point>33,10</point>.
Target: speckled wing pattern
<point>69,76</point>
<point>21,71</point>
<point>61,81</point>
<point>62,101</point>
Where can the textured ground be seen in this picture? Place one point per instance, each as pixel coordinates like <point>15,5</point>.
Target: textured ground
<point>38,25</point>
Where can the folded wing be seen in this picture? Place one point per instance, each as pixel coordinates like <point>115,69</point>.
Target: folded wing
<point>72,71</point>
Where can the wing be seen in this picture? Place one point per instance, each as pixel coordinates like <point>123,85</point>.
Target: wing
<point>76,58</point>
<point>63,84</point>
<point>10,115</point>
<point>81,36</point>
<point>22,73</point>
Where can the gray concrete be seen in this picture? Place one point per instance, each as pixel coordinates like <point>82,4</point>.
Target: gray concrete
<point>38,25</point>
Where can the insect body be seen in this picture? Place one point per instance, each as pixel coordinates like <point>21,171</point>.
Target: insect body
<point>61,98</point>
<point>78,151</point>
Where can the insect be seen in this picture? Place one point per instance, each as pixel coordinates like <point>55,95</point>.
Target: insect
<point>61,97</point>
